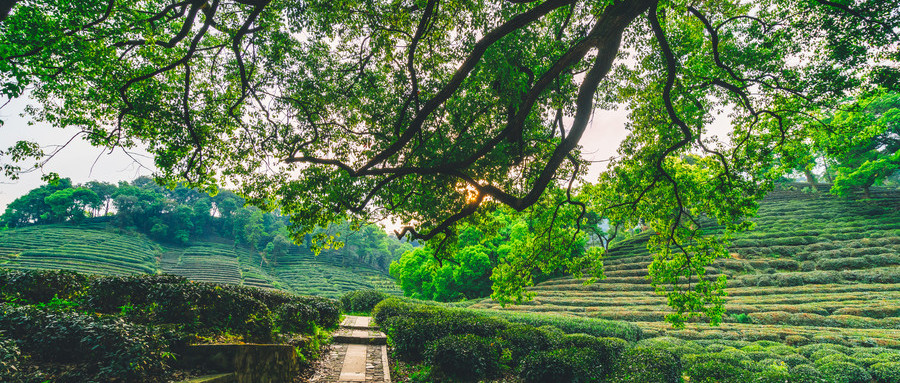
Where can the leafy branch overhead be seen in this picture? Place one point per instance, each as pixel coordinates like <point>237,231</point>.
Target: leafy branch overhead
<point>426,110</point>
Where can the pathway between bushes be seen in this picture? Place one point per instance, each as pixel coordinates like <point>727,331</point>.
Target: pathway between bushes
<point>358,354</point>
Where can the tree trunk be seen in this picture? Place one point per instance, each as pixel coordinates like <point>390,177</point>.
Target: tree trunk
<point>810,177</point>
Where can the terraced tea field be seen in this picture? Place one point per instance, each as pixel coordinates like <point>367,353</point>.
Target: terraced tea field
<point>69,247</point>
<point>816,269</point>
<point>304,273</point>
<point>91,248</point>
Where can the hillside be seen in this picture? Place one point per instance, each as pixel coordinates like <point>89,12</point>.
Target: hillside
<point>816,268</point>
<point>97,249</point>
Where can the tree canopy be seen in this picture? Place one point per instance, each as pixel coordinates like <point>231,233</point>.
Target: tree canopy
<point>431,110</point>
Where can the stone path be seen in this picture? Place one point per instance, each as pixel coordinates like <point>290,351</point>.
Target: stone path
<point>358,354</point>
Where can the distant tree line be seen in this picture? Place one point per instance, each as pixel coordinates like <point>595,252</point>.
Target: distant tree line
<point>181,215</point>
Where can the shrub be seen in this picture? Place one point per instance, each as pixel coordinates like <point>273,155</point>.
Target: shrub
<point>888,372</point>
<point>522,339</point>
<point>714,371</point>
<point>679,347</point>
<point>571,364</point>
<point>465,357</point>
<point>296,317</point>
<point>836,358</point>
<point>573,325</point>
<point>106,349</point>
<point>361,300</point>
<point>603,350</point>
<point>40,286</point>
<point>329,309</point>
<point>392,307</point>
<point>845,372</point>
<point>773,375</point>
<point>10,358</point>
<point>805,373</point>
<point>785,264</point>
<point>646,365</point>
<point>794,360</point>
<point>823,353</point>
<point>809,349</point>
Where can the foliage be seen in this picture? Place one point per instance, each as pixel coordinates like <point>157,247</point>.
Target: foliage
<point>486,248</point>
<point>642,364</point>
<point>888,372</point>
<point>202,308</point>
<point>572,364</point>
<point>845,372</point>
<point>430,112</point>
<point>465,358</point>
<point>110,348</point>
<point>361,301</point>
<point>861,145</point>
<point>180,215</point>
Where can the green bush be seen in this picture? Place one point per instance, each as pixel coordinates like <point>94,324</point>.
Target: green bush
<point>809,349</point>
<point>679,347</point>
<point>823,353</point>
<point>465,357</point>
<point>794,359</point>
<point>785,264</point>
<point>10,361</point>
<point>646,365</point>
<point>103,349</point>
<point>571,364</point>
<point>845,372</point>
<point>805,373</point>
<point>773,375</point>
<point>362,300</point>
<point>572,325</point>
<point>296,317</point>
<point>836,358</point>
<point>603,351</point>
<point>522,339</point>
<point>714,371</point>
<point>888,372</point>
<point>40,286</point>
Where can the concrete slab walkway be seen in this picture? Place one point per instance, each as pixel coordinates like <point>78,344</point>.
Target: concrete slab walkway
<point>358,354</point>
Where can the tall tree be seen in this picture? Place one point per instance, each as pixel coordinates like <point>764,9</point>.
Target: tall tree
<point>427,109</point>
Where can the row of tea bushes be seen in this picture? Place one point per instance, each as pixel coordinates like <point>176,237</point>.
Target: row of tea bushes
<point>92,328</point>
<point>202,308</point>
<point>463,345</point>
<point>71,346</point>
<point>449,344</point>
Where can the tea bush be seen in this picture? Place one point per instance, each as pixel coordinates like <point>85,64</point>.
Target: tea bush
<point>465,357</point>
<point>107,349</point>
<point>571,364</point>
<point>522,339</point>
<point>362,300</point>
<point>845,372</point>
<point>40,286</point>
<point>646,365</point>
<point>888,372</point>
<point>715,371</point>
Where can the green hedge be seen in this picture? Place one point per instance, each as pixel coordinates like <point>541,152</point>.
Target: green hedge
<point>466,358</point>
<point>362,300</point>
<point>100,348</point>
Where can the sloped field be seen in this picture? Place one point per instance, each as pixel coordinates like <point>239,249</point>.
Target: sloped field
<point>92,248</point>
<point>70,247</point>
<point>304,273</point>
<point>816,268</point>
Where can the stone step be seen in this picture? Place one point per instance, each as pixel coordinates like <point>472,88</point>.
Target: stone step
<point>217,378</point>
<point>359,336</point>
